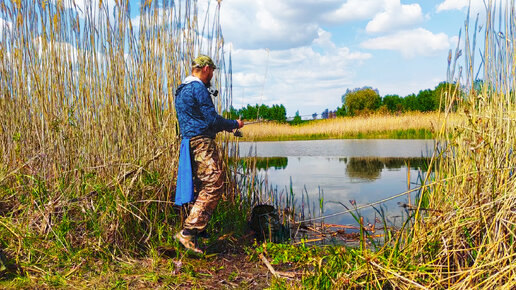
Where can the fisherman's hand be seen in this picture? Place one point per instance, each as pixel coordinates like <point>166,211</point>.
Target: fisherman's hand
<point>240,123</point>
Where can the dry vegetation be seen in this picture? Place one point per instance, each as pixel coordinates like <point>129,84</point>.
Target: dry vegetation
<point>88,134</point>
<point>472,237</point>
<point>409,125</point>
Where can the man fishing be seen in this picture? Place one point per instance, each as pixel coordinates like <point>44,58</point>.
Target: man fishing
<point>199,123</point>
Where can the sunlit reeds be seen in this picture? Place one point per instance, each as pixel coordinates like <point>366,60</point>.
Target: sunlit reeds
<point>469,241</point>
<point>373,126</point>
<point>88,132</point>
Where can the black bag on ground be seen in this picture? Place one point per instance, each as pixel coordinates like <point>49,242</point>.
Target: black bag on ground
<point>266,224</point>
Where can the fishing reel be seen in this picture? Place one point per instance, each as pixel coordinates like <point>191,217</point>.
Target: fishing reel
<point>238,133</point>
<point>213,92</point>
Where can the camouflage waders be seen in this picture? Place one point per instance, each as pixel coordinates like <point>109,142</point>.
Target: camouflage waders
<point>208,179</point>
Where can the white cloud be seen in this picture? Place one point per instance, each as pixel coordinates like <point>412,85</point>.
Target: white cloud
<point>310,77</point>
<point>355,10</point>
<point>452,5</point>
<point>4,24</point>
<point>269,23</point>
<point>476,5</point>
<point>395,16</point>
<point>285,24</point>
<point>411,42</point>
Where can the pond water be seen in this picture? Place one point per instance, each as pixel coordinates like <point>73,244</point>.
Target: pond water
<point>342,172</point>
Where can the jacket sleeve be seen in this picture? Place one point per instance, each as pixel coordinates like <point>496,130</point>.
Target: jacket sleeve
<point>212,118</point>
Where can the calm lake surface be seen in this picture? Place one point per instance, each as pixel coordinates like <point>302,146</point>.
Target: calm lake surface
<point>342,171</point>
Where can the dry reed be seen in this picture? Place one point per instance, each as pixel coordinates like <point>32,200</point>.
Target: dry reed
<point>469,241</point>
<point>88,132</point>
<point>347,127</point>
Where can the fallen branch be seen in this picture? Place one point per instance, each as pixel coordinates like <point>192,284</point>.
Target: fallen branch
<point>269,266</point>
<point>276,274</point>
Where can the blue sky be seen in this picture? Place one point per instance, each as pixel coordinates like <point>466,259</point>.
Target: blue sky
<point>305,54</point>
<point>313,51</point>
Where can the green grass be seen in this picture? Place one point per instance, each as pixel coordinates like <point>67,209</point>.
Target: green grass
<point>394,134</point>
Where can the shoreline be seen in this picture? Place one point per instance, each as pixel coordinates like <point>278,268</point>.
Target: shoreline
<point>412,125</point>
<point>422,134</point>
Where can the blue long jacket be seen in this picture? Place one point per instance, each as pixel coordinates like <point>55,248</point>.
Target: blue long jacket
<point>196,113</point>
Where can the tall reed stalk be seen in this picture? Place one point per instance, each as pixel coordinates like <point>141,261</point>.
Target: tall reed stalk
<point>88,131</point>
<point>467,240</point>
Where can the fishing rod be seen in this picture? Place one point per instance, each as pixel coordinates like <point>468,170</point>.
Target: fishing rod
<point>238,133</point>
<point>256,122</point>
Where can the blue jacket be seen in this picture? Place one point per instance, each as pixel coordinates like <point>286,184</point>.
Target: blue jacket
<point>196,113</point>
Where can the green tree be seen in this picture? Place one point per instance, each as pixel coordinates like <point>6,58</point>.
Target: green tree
<point>426,100</point>
<point>276,113</point>
<point>341,111</point>
<point>297,119</point>
<point>361,99</point>
<point>394,103</point>
<point>263,112</point>
<point>410,103</point>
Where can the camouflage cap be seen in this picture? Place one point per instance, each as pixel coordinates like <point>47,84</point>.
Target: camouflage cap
<point>202,61</point>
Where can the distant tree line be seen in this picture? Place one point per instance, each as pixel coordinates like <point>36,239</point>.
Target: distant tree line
<point>358,101</point>
<point>367,100</point>
<point>263,112</point>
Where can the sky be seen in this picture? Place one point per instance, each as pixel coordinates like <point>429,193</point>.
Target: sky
<point>305,54</point>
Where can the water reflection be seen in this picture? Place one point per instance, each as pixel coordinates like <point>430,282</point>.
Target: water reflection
<point>338,181</point>
<point>262,163</point>
<point>324,175</point>
<point>370,168</point>
<point>265,163</point>
<point>364,168</point>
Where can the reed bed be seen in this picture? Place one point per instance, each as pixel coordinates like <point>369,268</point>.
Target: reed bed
<point>408,125</point>
<point>470,241</point>
<point>88,131</point>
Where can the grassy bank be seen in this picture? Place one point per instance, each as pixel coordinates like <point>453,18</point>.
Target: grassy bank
<point>403,126</point>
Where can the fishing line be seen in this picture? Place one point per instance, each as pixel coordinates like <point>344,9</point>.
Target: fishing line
<point>263,85</point>
<point>400,194</point>
<point>366,205</point>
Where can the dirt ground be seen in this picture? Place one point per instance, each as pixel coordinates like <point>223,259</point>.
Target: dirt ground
<point>226,265</point>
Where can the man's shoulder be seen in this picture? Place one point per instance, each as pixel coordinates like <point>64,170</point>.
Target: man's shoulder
<point>191,87</point>
<point>199,85</point>
<point>195,86</point>
<point>199,89</point>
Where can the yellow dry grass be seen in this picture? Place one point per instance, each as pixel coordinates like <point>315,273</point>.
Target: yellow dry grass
<point>346,127</point>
